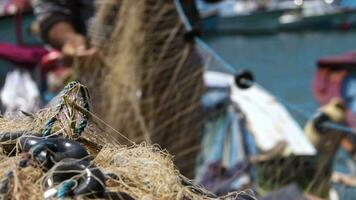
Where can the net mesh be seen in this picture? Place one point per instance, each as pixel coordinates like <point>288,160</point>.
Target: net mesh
<point>147,88</point>
<point>141,171</point>
<point>150,83</point>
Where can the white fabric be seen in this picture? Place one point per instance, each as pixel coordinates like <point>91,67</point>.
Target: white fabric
<point>20,92</point>
<point>268,120</point>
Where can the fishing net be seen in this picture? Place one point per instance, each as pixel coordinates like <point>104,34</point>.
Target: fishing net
<point>304,171</point>
<point>312,173</point>
<point>149,84</point>
<point>151,80</point>
<point>138,171</point>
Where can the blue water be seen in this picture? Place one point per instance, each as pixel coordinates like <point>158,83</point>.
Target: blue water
<point>284,63</point>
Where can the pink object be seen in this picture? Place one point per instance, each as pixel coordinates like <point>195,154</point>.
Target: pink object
<point>25,57</point>
<point>52,61</point>
<point>16,6</point>
<point>327,84</point>
<point>330,74</point>
<point>329,79</point>
<point>340,61</point>
<point>30,57</point>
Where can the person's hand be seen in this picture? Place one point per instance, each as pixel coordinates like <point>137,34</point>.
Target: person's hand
<point>75,45</point>
<point>75,50</point>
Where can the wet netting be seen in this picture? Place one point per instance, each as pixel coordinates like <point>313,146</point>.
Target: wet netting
<point>149,83</point>
<point>117,142</point>
<point>278,168</point>
<point>63,152</point>
<point>314,174</point>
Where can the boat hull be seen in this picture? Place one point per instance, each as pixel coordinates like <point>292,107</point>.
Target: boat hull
<point>344,19</point>
<point>268,120</point>
<point>257,22</point>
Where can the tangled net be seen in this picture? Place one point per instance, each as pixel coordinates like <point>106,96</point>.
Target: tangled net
<point>138,171</point>
<point>151,80</point>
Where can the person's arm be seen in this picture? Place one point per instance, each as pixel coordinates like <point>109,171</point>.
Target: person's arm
<point>62,34</point>
<point>55,22</point>
<point>55,19</point>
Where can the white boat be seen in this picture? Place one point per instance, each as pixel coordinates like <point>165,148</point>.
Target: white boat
<point>240,16</point>
<point>242,124</point>
<point>318,14</point>
<point>267,119</point>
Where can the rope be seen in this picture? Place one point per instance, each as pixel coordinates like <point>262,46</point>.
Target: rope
<point>84,120</point>
<point>338,127</point>
<point>48,127</point>
<point>183,17</point>
<point>200,42</point>
<point>83,94</point>
<point>93,115</point>
<point>203,45</point>
<point>65,188</point>
<point>216,56</point>
<point>4,186</point>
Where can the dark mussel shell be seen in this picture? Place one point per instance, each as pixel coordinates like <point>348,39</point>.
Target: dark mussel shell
<point>54,149</point>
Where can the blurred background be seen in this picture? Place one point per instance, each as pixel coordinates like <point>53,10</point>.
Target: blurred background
<point>286,94</point>
<point>283,55</point>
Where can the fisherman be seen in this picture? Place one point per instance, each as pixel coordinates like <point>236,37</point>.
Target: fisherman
<point>66,26</point>
<point>65,23</point>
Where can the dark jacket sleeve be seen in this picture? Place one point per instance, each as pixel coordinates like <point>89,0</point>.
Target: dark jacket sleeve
<point>50,12</point>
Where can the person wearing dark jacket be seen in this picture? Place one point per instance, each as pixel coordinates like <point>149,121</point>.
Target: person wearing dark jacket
<point>63,24</point>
